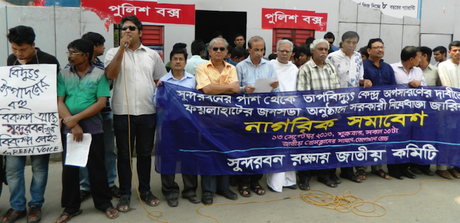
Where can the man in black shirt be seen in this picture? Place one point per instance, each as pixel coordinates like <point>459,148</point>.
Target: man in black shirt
<point>22,39</point>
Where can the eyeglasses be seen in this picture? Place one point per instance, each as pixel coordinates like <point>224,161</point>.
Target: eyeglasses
<point>131,28</point>
<point>73,54</point>
<point>378,47</point>
<point>222,49</point>
<point>284,51</point>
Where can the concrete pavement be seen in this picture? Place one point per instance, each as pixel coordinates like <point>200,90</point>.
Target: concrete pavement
<point>437,201</point>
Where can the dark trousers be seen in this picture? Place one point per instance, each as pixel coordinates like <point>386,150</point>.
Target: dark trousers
<point>420,167</point>
<point>169,186</point>
<point>249,180</point>
<point>346,172</point>
<point>215,183</point>
<point>326,173</point>
<point>70,199</point>
<point>304,176</point>
<point>397,169</point>
<point>142,131</point>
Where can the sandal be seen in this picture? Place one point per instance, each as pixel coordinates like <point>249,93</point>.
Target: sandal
<point>123,204</point>
<point>361,174</point>
<point>305,185</point>
<point>65,217</point>
<point>382,174</point>
<point>327,182</point>
<point>111,213</point>
<point>259,190</point>
<point>244,192</point>
<point>353,178</point>
<point>150,199</point>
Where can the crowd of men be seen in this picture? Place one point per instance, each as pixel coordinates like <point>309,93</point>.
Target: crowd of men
<point>133,71</point>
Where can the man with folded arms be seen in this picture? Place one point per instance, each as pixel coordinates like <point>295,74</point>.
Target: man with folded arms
<point>216,77</point>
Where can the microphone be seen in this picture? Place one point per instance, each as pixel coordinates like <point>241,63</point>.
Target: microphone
<point>126,45</point>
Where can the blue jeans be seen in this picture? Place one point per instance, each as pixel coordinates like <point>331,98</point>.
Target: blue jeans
<point>142,131</point>
<point>15,177</point>
<point>110,155</point>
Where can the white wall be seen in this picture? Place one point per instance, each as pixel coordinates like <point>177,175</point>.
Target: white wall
<point>56,26</point>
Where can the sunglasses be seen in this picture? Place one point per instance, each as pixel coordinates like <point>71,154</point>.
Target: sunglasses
<point>132,28</point>
<point>218,48</point>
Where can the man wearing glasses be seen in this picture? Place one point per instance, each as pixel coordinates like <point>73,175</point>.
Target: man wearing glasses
<point>216,77</point>
<point>137,67</point>
<point>22,40</point>
<point>249,70</point>
<point>380,73</point>
<point>82,91</point>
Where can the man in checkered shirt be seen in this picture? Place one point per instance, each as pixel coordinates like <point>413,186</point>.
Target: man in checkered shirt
<point>318,74</point>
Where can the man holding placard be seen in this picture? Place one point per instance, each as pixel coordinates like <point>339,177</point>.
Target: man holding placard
<point>22,40</point>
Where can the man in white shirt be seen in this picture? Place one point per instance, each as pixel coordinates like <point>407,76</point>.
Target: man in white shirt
<point>137,67</point>
<point>287,77</point>
<point>449,73</point>
<point>407,72</point>
<point>349,65</point>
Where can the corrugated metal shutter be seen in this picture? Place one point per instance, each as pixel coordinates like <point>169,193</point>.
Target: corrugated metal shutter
<point>297,35</point>
<point>152,35</point>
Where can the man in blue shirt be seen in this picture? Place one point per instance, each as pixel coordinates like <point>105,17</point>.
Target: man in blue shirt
<point>249,70</point>
<point>177,75</point>
<point>375,69</point>
<point>255,67</point>
<point>380,73</point>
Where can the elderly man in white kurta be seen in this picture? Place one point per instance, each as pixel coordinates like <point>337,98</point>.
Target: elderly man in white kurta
<point>287,77</point>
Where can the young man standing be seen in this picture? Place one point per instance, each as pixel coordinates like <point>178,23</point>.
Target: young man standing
<point>22,39</point>
<point>82,93</point>
<point>107,122</point>
<point>449,73</point>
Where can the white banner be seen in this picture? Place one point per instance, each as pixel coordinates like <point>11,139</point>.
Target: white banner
<point>29,119</point>
<point>395,8</point>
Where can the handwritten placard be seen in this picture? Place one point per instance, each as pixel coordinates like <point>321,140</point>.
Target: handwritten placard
<point>29,121</point>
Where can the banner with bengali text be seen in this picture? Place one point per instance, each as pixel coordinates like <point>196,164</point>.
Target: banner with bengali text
<point>276,132</point>
<point>28,110</point>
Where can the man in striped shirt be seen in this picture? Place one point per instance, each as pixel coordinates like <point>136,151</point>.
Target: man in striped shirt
<point>318,74</point>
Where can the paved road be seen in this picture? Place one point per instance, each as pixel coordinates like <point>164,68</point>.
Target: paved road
<point>438,201</point>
